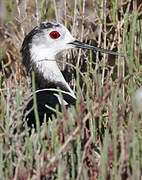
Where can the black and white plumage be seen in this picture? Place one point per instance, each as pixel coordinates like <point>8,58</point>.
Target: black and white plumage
<point>39,50</point>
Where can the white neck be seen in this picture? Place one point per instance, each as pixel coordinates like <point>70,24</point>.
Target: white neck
<point>51,71</point>
<point>44,57</point>
<point>39,52</point>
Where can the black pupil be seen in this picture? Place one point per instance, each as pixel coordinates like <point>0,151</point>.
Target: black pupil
<point>54,35</point>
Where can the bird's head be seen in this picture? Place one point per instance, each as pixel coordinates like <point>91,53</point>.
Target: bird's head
<point>48,39</point>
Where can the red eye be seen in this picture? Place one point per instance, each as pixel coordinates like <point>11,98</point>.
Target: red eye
<point>54,35</point>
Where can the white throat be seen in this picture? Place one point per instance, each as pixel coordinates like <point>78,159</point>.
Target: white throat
<point>41,52</point>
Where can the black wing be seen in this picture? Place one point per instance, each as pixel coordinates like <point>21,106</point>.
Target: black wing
<point>49,98</point>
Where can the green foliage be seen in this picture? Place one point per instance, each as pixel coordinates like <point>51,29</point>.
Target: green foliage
<point>10,7</point>
<point>99,138</point>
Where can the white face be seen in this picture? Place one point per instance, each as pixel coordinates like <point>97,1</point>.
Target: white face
<point>49,42</point>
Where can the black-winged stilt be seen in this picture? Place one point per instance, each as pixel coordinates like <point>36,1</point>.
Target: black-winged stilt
<point>39,50</point>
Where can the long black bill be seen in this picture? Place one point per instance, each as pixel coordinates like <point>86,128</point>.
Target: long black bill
<point>79,44</point>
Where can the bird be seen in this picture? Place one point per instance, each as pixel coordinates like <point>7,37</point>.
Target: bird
<point>39,50</point>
